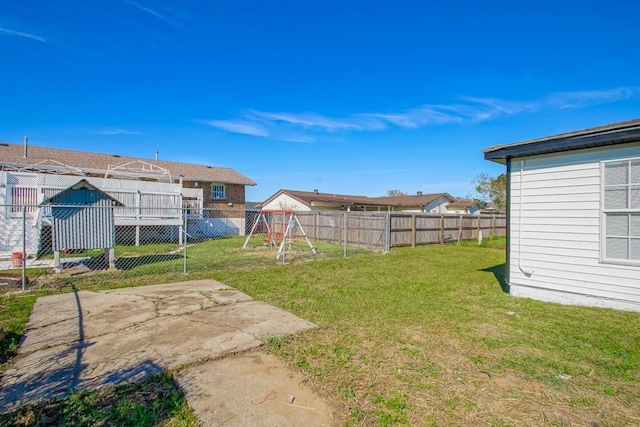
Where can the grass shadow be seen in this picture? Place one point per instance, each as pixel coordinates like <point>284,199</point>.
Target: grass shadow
<point>129,263</point>
<point>498,272</point>
<point>154,400</point>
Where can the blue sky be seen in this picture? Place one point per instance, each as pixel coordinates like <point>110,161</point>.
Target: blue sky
<point>355,97</point>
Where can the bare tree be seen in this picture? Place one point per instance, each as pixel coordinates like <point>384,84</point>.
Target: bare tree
<point>396,193</point>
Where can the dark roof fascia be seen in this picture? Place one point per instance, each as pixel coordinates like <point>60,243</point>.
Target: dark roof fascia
<point>531,148</point>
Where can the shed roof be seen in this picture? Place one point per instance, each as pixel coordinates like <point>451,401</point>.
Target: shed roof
<point>83,183</point>
<point>611,134</point>
<point>47,159</point>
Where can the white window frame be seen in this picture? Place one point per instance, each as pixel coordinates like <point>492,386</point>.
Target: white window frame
<point>604,211</point>
<point>218,192</point>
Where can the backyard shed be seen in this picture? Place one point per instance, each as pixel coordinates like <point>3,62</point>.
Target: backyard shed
<point>82,218</point>
<point>573,213</point>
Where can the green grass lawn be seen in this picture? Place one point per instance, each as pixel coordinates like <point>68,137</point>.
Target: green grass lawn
<point>153,402</point>
<point>426,336</point>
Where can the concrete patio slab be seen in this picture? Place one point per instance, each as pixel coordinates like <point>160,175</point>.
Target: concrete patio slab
<point>87,340</point>
<point>252,389</point>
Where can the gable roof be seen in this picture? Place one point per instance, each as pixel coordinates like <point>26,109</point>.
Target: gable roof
<point>83,183</point>
<point>611,134</point>
<point>48,159</point>
<point>309,198</point>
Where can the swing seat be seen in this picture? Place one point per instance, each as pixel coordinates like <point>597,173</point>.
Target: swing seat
<point>277,238</point>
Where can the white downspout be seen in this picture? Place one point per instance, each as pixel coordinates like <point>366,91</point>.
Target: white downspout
<point>525,272</point>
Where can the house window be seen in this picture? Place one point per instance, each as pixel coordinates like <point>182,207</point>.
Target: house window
<point>218,192</point>
<point>622,211</point>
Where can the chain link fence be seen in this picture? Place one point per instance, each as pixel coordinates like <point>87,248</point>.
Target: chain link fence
<point>80,241</point>
<point>111,242</point>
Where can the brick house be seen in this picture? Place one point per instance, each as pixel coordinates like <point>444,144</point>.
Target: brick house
<point>153,191</point>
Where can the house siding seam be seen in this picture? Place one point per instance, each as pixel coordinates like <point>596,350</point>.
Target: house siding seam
<point>559,242</point>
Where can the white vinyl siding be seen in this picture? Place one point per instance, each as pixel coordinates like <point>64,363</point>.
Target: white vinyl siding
<point>438,205</point>
<point>556,231</point>
<point>285,202</point>
<point>621,193</point>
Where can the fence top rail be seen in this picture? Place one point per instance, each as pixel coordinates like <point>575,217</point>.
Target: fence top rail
<point>444,214</point>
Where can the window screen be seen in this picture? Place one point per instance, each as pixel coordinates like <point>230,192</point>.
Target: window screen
<point>218,192</point>
<point>622,210</point>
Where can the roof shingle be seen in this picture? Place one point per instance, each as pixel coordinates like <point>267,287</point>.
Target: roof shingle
<point>308,197</point>
<point>13,155</point>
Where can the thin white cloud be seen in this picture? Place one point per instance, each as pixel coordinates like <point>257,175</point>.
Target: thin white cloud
<point>308,120</point>
<point>29,36</point>
<point>23,35</point>
<point>239,126</point>
<point>302,127</point>
<point>303,139</point>
<point>118,132</point>
<point>161,16</point>
<point>573,100</point>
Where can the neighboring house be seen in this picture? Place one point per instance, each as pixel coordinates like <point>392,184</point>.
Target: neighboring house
<point>573,207</point>
<point>315,201</point>
<point>303,201</point>
<point>153,192</point>
<point>464,206</point>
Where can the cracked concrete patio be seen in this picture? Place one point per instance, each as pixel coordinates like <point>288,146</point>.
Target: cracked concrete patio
<point>87,340</point>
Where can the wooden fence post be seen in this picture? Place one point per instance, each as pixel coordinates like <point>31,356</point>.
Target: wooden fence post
<point>413,230</point>
<point>315,226</point>
<point>387,232</point>
<point>441,228</point>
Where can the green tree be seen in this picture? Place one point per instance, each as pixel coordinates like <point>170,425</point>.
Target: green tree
<point>492,190</point>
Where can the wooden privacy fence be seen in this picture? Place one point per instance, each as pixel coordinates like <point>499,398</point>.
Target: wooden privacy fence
<point>413,229</point>
<point>385,230</point>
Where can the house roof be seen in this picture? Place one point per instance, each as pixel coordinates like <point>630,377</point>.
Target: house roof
<point>611,134</point>
<point>462,204</point>
<point>407,201</point>
<point>46,159</point>
<point>310,198</point>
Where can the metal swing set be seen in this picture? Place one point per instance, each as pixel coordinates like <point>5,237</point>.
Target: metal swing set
<point>281,238</point>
